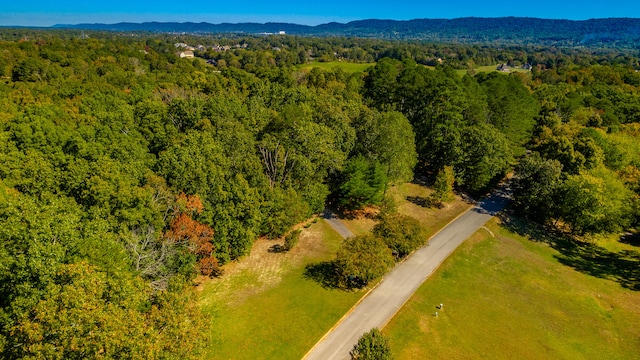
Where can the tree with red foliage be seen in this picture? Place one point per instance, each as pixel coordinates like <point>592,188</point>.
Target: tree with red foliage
<point>197,237</point>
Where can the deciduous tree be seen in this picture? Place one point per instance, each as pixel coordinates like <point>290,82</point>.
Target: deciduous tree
<point>371,345</point>
<point>361,259</point>
<point>402,234</point>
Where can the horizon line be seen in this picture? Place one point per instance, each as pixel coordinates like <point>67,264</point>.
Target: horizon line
<point>275,21</point>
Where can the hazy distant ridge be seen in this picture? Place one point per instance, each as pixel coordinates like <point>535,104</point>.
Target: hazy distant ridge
<point>619,31</point>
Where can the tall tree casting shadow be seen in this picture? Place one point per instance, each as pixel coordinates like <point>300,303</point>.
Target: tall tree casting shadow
<point>592,259</point>
<point>324,273</point>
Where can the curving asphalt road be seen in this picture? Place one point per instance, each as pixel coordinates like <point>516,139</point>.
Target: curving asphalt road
<point>382,303</point>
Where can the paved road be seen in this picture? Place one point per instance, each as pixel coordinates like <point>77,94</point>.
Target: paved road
<point>336,224</point>
<point>381,304</point>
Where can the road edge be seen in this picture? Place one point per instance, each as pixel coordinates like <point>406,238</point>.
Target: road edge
<point>471,206</point>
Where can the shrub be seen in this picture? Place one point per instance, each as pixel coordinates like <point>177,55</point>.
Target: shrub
<point>361,259</point>
<point>208,266</point>
<point>292,239</point>
<point>401,233</point>
<point>371,346</point>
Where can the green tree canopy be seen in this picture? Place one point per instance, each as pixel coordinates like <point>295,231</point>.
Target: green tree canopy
<point>362,259</point>
<point>364,183</point>
<point>402,234</point>
<point>371,345</point>
<point>536,187</point>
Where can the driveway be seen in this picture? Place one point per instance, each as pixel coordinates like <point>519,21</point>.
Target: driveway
<point>336,224</point>
<point>382,303</point>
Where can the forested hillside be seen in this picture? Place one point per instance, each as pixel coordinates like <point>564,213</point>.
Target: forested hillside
<point>125,170</point>
<point>613,32</point>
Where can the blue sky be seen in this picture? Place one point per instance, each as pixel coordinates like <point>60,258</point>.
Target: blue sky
<point>50,12</point>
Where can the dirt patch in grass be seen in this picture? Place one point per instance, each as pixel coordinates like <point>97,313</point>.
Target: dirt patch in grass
<point>263,268</point>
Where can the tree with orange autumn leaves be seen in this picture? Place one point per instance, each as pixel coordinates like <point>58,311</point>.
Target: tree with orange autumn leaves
<point>192,234</point>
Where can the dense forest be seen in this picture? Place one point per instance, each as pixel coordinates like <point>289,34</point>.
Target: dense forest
<point>126,171</point>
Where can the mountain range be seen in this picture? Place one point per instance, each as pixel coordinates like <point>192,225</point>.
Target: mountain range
<point>605,32</point>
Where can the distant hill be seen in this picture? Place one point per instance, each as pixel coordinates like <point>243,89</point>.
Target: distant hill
<point>604,32</point>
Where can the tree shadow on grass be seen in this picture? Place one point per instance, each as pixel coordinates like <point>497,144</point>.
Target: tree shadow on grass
<point>588,258</point>
<point>324,273</point>
<point>425,202</point>
<point>631,239</point>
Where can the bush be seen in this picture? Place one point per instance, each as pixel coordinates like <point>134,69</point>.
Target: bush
<point>292,239</point>
<point>361,259</point>
<point>371,346</point>
<point>208,266</point>
<point>401,233</point>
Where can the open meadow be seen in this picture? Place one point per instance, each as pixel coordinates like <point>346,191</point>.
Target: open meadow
<point>349,67</point>
<point>265,307</point>
<point>491,68</point>
<point>507,296</point>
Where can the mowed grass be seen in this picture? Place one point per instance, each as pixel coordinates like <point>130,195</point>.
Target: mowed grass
<point>264,307</point>
<point>269,309</point>
<point>490,68</point>
<point>508,297</point>
<point>349,67</point>
<point>432,219</point>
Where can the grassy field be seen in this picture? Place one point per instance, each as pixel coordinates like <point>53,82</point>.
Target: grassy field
<point>509,297</point>
<point>490,68</point>
<point>407,196</point>
<point>359,67</point>
<point>346,66</point>
<point>264,307</point>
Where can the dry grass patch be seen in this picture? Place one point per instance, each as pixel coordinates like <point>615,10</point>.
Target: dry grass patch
<point>431,218</point>
<point>263,268</point>
<point>407,197</point>
<point>360,225</point>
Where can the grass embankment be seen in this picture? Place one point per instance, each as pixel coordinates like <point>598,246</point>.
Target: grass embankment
<point>264,307</point>
<point>508,297</point>
<point>349,67</point>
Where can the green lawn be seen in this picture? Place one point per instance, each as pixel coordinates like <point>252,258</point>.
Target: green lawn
<point>346,66</point>
<point>268,309</point>
<point>508,297</point>
<point>490,68</point>
<point>432,219</point>
<point>264,307</point>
